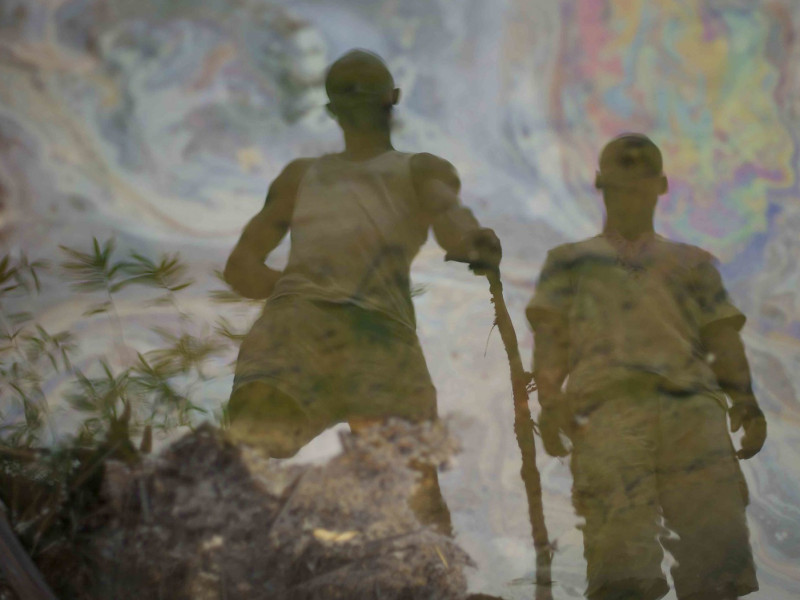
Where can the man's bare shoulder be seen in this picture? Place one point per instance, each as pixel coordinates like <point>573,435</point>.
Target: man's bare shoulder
<point>283,189</point>
<point>294,172</point>
<point>426,166</point>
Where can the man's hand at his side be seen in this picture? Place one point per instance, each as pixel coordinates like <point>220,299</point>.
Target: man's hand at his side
<point>553,421</point>
<point>722,340</point>
<point>245,270</point>
<point>751,418</point>
<point>550,351</point>
<point>260,281</point>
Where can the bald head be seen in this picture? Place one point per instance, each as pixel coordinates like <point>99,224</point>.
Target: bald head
<point>631,156</point>
<point>631,177</point>
<point>358,74</point>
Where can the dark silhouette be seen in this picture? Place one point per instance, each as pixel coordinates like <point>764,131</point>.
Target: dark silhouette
<point>647,340</point>
<point>337,339</point>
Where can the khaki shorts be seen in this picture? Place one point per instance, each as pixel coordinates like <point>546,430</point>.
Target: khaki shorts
<point>337,362</point>
<point>653,469</point>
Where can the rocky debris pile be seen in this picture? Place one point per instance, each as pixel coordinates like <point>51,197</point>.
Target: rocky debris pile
<point>209,520</point>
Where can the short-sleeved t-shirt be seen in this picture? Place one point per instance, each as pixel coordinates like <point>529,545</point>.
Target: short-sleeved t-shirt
<point>633,308</point>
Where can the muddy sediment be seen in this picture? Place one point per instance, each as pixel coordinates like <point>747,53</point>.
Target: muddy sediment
<point>209,520</point>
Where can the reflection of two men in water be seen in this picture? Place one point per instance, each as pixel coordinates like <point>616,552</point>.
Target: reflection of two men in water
<point>626,318</point>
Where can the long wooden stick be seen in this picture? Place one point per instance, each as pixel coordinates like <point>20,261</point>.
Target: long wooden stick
<point>524,430</point>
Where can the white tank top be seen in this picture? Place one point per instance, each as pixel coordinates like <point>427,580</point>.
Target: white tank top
<point>355,229</point>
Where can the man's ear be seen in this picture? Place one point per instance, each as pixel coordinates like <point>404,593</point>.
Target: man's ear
<point>330,110</point>
<point>598,180</point>
<point>663,186</point>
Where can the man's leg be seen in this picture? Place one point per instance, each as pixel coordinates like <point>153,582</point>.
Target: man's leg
<point>614,490</point>
<point>703,496</point>
<point>286,385</point>
<point>427,501</point>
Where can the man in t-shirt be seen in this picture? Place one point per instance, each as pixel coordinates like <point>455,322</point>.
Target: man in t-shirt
<point>337,338</point>
<point>647,340</point>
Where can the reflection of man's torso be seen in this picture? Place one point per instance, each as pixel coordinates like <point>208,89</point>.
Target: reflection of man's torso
<point>635,308</point>
<point>650,441</point>
<point>356,228</point>
<point>338,334</point>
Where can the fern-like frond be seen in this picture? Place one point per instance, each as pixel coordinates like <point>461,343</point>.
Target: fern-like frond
<point>153,381</point>
<point>226,329</point>
<point>184,352</point>
<point>28,272</point>
<point>100,395</point>
<point>169,273</point>
<point>94,270</point>
<point>54,347</point>
<point>21,273</point>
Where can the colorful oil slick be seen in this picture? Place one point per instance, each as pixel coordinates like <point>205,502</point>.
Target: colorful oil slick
<point>161,123</point>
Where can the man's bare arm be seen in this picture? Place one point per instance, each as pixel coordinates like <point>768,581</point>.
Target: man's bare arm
<point>729,363</point>
<point>245,270</point>
<point>550,360</point>
<point>550,369</point>
<point>438,185</point>
<point>456,229</point>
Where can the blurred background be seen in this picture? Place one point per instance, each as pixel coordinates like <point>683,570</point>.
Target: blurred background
<point>159,124</point>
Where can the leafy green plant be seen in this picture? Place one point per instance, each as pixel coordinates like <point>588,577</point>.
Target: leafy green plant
<point>105,398</point>
<point>168,275</point>
<point>55,347</point>
<point>185,353</point>
<point>159,381</point>
<point>20,274</point>
<point>24,345</point>
<point>227,330</point>
<point>156,384</point>
<point>131,392</point>
<point>167,405</point>
<point>95,271</point>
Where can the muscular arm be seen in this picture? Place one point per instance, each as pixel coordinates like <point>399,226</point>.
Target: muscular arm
<point>437,185</point>
<point>245,270</point>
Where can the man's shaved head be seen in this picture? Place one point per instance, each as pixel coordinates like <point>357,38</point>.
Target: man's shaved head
<point>634,154</point>
<point>358,73</point>
<point>631,176</point>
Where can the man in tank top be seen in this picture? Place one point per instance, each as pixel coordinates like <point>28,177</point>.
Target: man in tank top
<point>337,340</point>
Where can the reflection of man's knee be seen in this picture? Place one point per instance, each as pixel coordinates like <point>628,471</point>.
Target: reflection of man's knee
<point>260,401</point>
<point>261,416</point>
